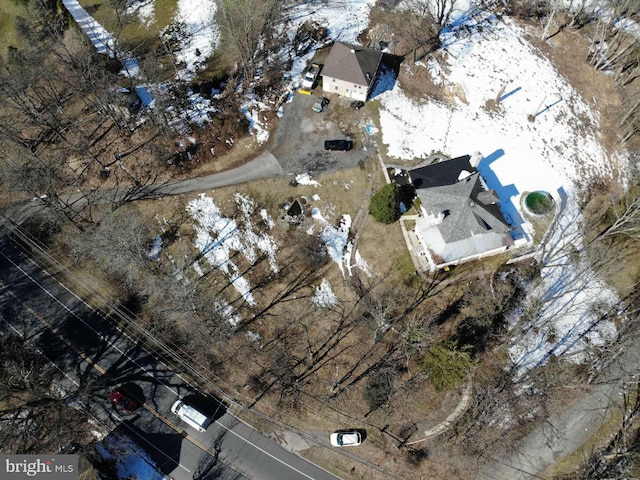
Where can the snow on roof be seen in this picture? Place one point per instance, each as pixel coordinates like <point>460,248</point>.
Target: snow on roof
<point>550,154</point>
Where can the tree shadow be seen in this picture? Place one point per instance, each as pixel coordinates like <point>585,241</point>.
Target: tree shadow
<point>163,448</point>
<point>508,94</point>
<point>211,467</point>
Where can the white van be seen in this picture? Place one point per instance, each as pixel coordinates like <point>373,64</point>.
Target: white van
<point>191,416</point>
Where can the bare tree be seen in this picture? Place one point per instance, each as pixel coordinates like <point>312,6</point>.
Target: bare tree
<point>613,48</point>
<point>625,217</point>
<point>33,419</point>
<point>249,27</point>
<point>66,131</point>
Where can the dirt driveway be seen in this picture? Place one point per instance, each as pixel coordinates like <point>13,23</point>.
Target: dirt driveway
<point>298,143</point>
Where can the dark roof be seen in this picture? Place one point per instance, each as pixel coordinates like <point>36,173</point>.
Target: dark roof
<point>351,63</point>
<point>441,173</point>
<point>295,209</point>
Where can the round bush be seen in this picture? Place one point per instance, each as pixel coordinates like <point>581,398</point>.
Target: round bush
<point>385,205</point>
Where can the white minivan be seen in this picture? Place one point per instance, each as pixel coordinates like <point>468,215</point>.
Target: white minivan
<point>191,415</point>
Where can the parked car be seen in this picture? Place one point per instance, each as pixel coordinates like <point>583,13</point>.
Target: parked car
<point>123,400</point>
<point>311,76</point>
<point>346,438</point>
<point>357,104</point>
<point>320,104</point>
<point>343,145</point>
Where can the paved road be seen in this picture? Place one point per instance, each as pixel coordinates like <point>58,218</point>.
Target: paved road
<point>95,356</point>
<point>263,166</point>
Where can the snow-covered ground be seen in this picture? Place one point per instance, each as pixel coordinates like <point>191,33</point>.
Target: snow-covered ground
<point>344,20</point>
<point>551,153</point>
<point>128,459</point>
<point>324,296</point>
<point>197,33</point>
<point>219,237</point>
<point>145,10</point>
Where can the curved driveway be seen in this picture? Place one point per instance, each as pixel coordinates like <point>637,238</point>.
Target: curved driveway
<point>263,166</point>
<point>563,433</point>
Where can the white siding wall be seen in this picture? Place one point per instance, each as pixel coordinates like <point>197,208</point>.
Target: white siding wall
<point>344,89</point>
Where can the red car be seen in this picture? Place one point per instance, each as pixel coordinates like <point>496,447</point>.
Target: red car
<point>122,400</point>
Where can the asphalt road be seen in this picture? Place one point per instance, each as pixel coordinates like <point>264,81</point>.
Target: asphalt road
<point>95,356</point>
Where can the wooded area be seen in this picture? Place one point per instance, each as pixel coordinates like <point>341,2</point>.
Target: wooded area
<point>73,138</point>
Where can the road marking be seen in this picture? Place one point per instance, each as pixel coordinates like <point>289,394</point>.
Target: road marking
<point>103,372</point>
<point>262,450</point>
<point>84,356</point>
<point>97,366</point>
<point>102,337</point>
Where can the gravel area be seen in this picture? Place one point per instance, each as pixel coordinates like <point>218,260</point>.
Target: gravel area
<point>298,143</point>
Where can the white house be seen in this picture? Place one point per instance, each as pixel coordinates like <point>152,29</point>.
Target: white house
<point>350,70</point>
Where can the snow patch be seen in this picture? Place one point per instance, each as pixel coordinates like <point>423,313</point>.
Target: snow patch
<point>252,109</point>
<point>217,237</point>
<point>156,248</point>
<point>324,296</point>
<point>305,179</point>
<point>336,240</point>
<point>196,32</point>
<point>145,10</point>
<point>130,460</point>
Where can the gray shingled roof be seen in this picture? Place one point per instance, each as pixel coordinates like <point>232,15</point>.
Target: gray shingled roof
<point>469,210</point>
<point>351,63</point>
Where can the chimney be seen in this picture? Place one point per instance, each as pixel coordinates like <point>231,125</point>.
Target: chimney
<point>475,159</point>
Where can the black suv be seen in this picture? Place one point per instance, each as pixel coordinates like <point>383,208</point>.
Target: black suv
<point>338,145</point>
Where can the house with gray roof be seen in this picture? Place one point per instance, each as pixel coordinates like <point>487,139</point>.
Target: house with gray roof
<point>350,70</point>
<point>461,218</point>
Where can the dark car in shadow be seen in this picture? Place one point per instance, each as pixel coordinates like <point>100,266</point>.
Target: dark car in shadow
<point>122,398</point>
<point>342,145</point>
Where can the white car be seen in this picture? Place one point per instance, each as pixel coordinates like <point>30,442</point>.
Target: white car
<point>311,76</point>
<point>346,438</point>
